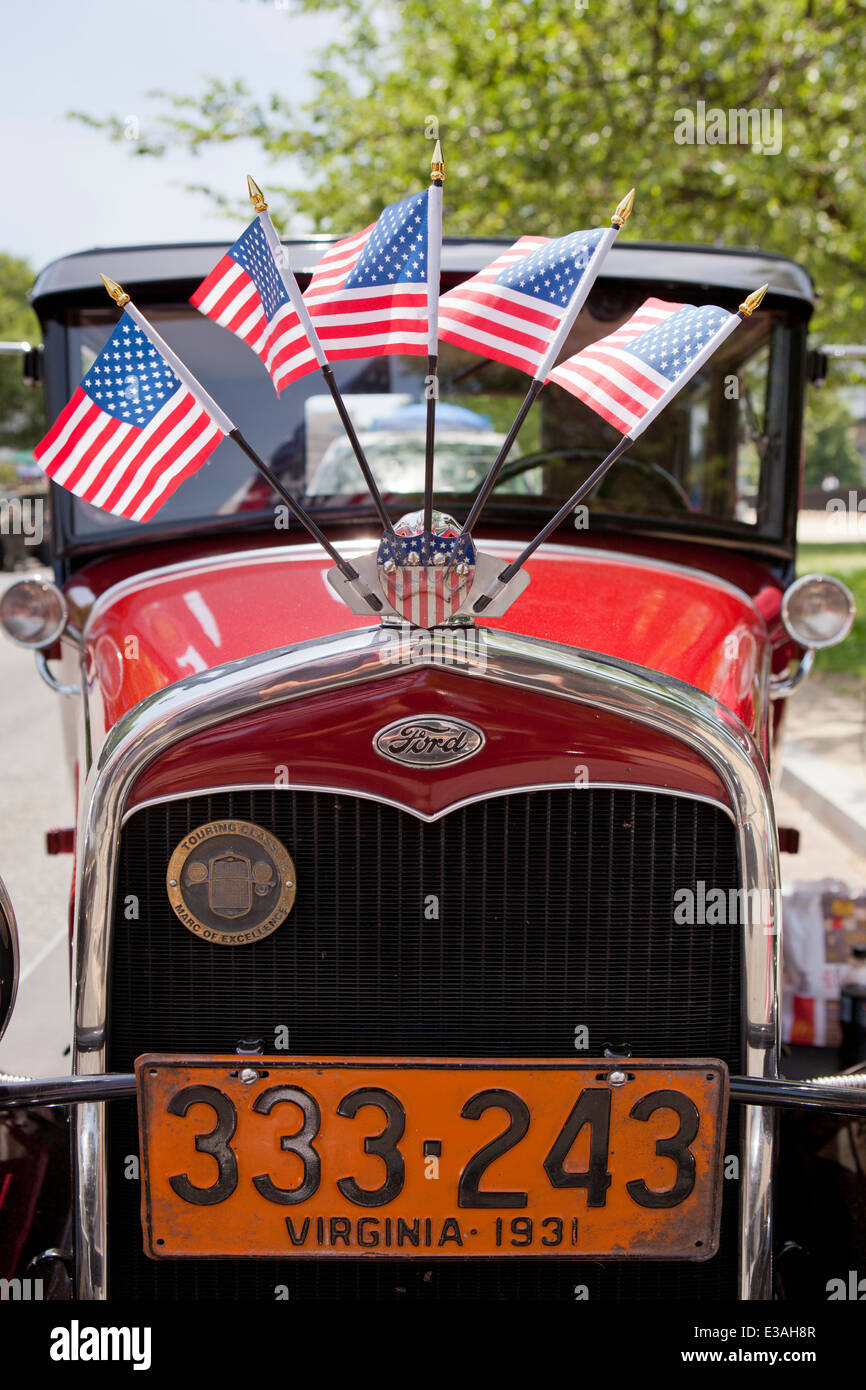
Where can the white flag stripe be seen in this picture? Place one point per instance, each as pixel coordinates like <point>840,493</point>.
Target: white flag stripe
<point>234,307</point>
<point>449,315</point>
<point>99,460</point>
<point>491,340</point>
<point>281,374</point>
<point>596,393</point>
<point>123,466</point>
<point>618,361</point>
<point>221,288</point>
<point>288,338</point>
<point>90,437</point>
<point>255,322</point>
<point>72,424</point>
<point>278,337</point>
<point>479,294</point>
<point>168,474</point>
<point>151,459</point>
<point>374,340</point>
<point>344,318</point>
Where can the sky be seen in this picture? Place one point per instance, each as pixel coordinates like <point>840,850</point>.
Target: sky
<point>66,187</point>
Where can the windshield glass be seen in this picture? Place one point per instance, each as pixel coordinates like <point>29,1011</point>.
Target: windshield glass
<point>707,462</point>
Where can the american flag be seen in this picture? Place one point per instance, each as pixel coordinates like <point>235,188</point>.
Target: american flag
<point>628,377</point>
<point>421,593</point>
<point>512,309</point>
<point>368,295</point>
<point>245,293</point>
<point>132,431</point>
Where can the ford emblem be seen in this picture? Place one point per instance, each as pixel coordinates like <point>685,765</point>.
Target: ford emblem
<point>428,740</point>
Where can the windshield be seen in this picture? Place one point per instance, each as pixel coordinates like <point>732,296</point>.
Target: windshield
<point>707,463</point>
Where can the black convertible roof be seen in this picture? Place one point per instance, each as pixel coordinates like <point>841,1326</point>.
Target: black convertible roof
<point>154,271</point>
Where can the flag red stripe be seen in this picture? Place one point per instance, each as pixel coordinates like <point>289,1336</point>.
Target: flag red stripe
<point>59,426</point>
<point>327,332</point>
<point>195,423</point>
<point>510,359</point>
<point>210,283</point>
<point>515,336</point>
<point>485,300</point>
<point>110,427</point>
<point>384,303</point>
<point>185,404</point>
<point>371,350</point>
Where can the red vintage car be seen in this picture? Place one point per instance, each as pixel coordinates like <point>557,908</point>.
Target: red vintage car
<point>447,960</point>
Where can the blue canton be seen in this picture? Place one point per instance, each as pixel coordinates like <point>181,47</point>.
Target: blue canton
<point>254,255</point>
<point>396,249</point>
<point>553,272</point>
<point>130,379</point>
<point>399,548</point>
<point>670,347</point>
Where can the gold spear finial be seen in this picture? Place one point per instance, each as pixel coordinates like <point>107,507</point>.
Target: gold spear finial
<point>116,291</point>
<point>623,210</point>
<point>257,197</point>
<point>437,165</point>
<point>750,304</point>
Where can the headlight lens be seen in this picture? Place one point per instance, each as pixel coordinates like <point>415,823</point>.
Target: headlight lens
<point>33,613</point>
<point>818,611</point>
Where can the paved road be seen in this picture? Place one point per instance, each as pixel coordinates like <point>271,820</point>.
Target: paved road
<point>35,793</point>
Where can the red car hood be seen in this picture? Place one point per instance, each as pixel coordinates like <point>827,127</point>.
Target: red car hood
<point>160,625</point>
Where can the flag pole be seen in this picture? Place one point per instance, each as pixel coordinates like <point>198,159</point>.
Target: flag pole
<point>620,216</point>
<point>746,309</point>
<point>292,288</point>
<point>229,428</point>
<point>434,253</point>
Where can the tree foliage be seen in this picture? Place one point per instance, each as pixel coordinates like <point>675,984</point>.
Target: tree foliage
<point>831,449</point>
<point>550,109</point>
<point>21,409</point>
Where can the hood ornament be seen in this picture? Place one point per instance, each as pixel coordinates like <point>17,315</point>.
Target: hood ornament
<point>417,571</point>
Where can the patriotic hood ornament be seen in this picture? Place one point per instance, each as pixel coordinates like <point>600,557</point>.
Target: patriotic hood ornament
<point>418,573</point>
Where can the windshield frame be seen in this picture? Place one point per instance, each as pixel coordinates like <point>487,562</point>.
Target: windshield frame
<point>504,512</point>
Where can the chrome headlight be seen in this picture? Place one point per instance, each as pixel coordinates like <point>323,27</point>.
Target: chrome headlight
<point>818,611</point>
<point>33,613</point>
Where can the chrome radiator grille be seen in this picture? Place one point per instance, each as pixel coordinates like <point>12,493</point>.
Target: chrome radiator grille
<point>495,931</point>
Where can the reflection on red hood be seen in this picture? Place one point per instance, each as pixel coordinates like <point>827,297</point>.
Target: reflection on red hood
<point>159,626</point>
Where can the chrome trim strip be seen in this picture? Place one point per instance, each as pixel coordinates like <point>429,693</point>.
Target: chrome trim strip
<point>343,790</point>
<point>345,659</point>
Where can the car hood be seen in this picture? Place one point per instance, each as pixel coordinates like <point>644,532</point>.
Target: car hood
<point>159,626</point>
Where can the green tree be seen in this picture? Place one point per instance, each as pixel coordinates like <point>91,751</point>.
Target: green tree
<point>831,450</point>
<point>21,411</point>
<point>550,109</point>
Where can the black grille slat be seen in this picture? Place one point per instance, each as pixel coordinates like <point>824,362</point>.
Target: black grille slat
<point>555,909</point>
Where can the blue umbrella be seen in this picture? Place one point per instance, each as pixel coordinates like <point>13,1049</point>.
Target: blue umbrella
<point>410,417</point>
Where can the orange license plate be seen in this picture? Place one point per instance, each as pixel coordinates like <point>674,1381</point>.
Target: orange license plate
<point>328,1157</point>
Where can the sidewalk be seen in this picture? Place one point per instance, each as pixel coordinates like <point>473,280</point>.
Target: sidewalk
<point>824,758</point>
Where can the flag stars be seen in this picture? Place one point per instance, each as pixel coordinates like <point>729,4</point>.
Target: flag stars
<point>129,378</point>
<point>552,271</point>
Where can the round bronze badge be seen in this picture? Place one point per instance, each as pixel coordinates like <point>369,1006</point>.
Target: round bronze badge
<point>231,882</point>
